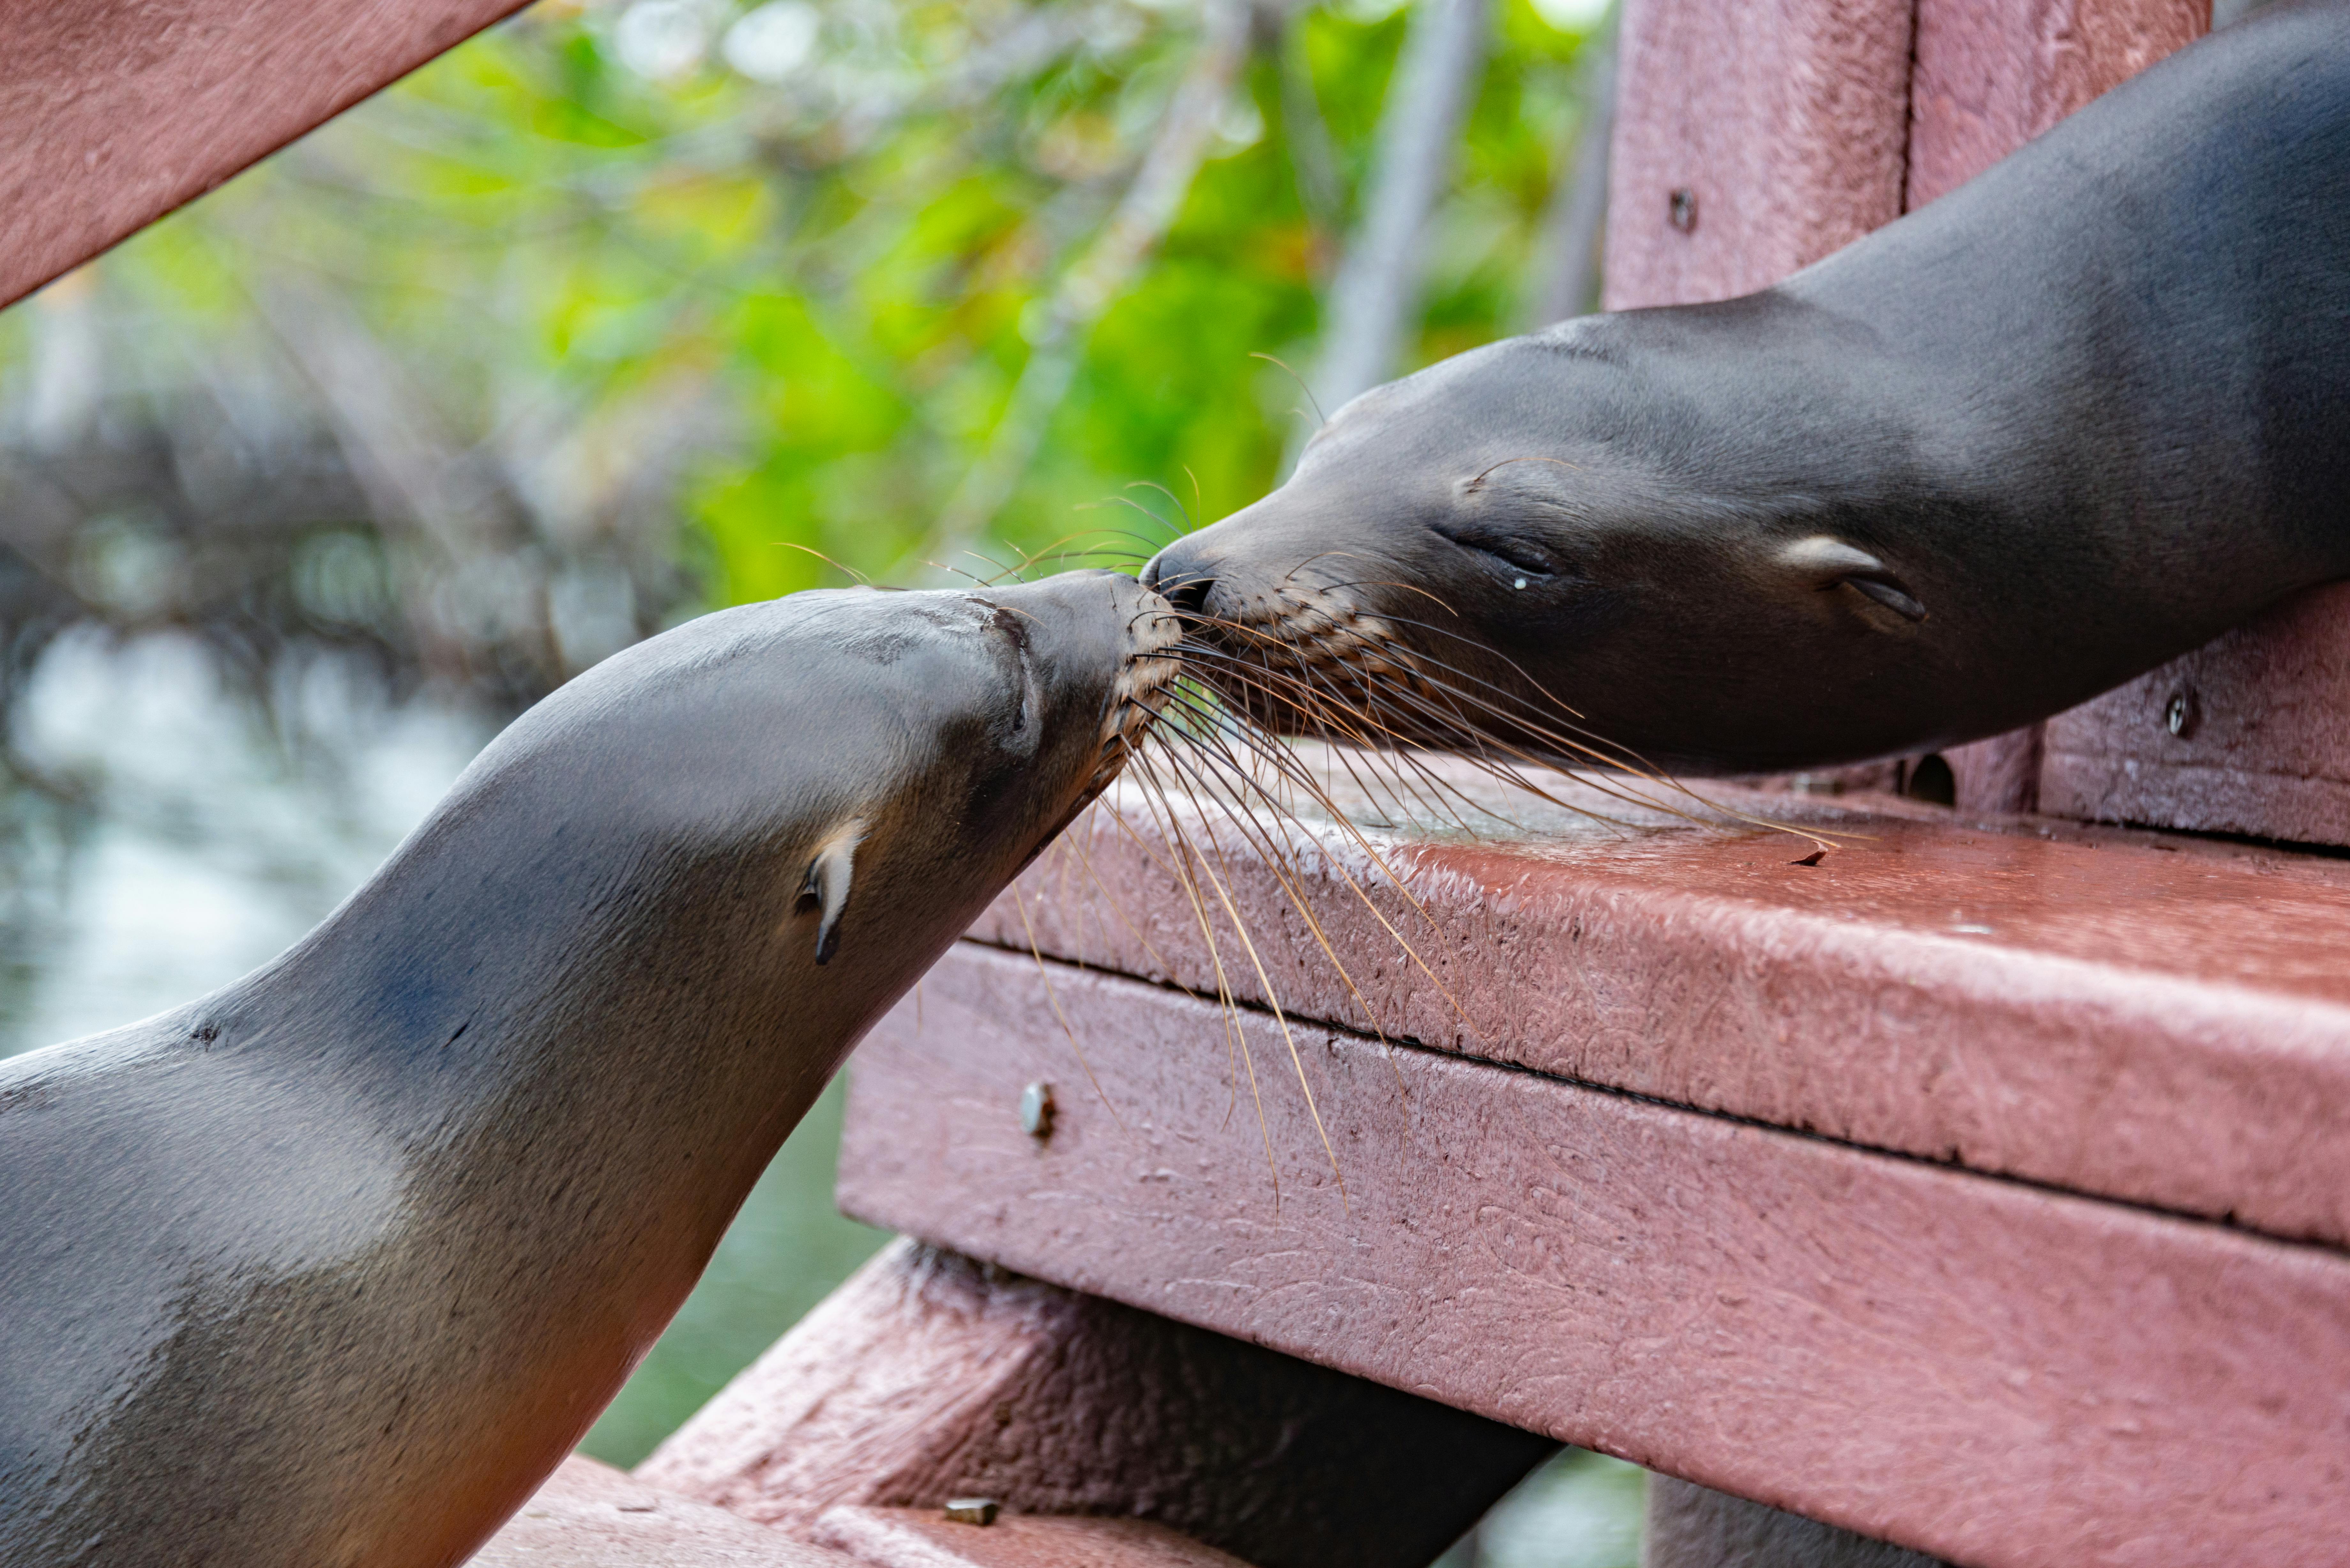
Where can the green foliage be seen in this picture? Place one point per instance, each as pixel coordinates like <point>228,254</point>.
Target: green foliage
<point>846,264</point>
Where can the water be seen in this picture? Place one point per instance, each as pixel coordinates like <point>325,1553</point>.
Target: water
<point>193,833</point>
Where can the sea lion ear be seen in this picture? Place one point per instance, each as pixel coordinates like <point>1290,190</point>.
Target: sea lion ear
<point>826,887</point>
<point>1826,562</point>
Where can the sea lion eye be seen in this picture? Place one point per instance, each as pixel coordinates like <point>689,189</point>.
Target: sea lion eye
<point>1514,556</point>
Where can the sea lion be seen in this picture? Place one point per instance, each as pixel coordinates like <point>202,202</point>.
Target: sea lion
<point>332,1267</point>
<point>2068,421</point>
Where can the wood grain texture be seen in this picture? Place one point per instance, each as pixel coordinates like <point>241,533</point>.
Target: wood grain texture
<point>1992,74</point>
<point>1784,120</point>
<point>2109,1013</point>
<point>589,1515</point>
<point>2266,747</point>
<point>922,1538</point>
<point>113,112</point>
<point>1996,1375</point>
<point>930,1375</point>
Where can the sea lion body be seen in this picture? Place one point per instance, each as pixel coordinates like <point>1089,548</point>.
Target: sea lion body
<point>2064,423</point>
<point>330,1268</point>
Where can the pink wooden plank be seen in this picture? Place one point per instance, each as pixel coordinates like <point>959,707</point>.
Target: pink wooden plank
<point>1783,121</point>
<point>929,1376</point>
<point>2263,747</point>
<point>923,1538</point>
<point>589,1515</point>
<point>2108,1012</point>
<point>112,114</point>
<point>1998,1375</point>
<point>1994,74</point>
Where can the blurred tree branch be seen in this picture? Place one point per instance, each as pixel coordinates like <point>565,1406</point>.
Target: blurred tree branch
<point>1566,256</point>
<point>1373,299</point>
<point>1135,229</point>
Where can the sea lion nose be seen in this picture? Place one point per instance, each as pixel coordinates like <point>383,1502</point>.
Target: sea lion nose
<point>1182,576</point>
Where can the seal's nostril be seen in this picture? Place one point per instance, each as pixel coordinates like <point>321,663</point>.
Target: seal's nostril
<point>1184,587</point>
<point>1189,594</point>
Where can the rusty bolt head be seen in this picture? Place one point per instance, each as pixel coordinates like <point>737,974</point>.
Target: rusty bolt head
<point>1682,210</point>
<point>1037,1110</point>
<point>973,1510</point>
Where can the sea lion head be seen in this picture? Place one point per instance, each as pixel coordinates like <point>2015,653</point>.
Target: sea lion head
<point>1546,538</point>
<point>836,776</point>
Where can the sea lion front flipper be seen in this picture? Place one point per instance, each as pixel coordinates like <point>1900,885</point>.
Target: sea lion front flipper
<point>826,885</point>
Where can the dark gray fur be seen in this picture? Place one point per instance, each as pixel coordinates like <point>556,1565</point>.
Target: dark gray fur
<point>331,1267</point>
<point>2085,413</point>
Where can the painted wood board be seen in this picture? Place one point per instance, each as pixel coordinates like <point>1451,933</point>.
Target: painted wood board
<point>2121,1014</point>
<point>589,1515</point>
<point>1972,1367</point>
<point>113,114</point>
<point>930,1375</point>
<point>1752,138</point>
<point>924,1538</point>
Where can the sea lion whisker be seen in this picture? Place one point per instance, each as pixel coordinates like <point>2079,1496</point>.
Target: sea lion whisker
<point>839,567</point>
<point>1281,586</point>
<point>1129,501</point>
<point>1260,677</point>
<point>1223,984</point>
<point>1490,651</point>
<point>1351,830</point>
<point>1507,461</point>
<point>1289,872</point>
<point>1320,418</point>
<point>1272,999</point>
<point>1190,518</point>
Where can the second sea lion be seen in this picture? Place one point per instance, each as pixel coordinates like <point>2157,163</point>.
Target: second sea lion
<point>330,1268</point>
<point>2065,423</point>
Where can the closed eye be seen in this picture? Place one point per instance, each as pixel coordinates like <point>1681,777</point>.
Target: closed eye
<point>1505,551</point>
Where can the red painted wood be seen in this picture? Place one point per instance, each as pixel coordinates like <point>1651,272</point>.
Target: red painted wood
<point>1784,120</point>
<point>929,1377</point>
<point>112,112</point>
<point>2266,748</point>
<point>1994,74</point>
<point>1998,1375</point>
<point>922,1538</point>
<point>2109,1013</point>
<point>589,1515</point>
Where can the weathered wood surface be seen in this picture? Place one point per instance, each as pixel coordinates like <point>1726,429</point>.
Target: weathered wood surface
<point>1992,74</point>
<point>1783,121</point>
<point>929,1377</point>
<point>1976,1368</point>
<point>2263,745</point>
<point>113,114</point>
<point>923,1538</point>
<point>589,1515</point>
<point>2138,1018</point>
